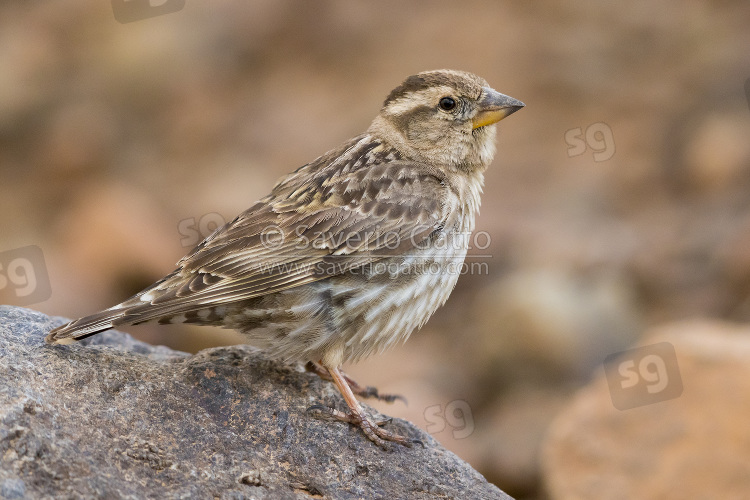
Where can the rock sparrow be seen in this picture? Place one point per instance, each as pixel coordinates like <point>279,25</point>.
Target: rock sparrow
<point>348,254</point>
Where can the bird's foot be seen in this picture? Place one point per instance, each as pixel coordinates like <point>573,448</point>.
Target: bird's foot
<point>371,428</point>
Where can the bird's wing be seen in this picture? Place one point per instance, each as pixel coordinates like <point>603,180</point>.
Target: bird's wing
<point>350,207</point>
<point>308,229</point>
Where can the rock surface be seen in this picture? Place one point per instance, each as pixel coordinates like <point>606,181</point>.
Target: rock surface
<point>694,445</point>
<point>112,417</point>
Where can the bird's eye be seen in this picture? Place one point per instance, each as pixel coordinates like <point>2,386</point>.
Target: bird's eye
<point>447,103</point>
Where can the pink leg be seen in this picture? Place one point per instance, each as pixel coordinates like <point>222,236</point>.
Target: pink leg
<point>359,390</point>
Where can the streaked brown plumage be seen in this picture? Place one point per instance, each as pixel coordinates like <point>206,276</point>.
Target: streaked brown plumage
<point>351,252</point>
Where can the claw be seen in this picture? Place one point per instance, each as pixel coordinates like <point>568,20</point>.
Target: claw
<point>372,392</point>
<point>316,410</point>
<point>383,421</point>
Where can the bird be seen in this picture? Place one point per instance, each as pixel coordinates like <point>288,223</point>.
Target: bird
<point>348,254</point>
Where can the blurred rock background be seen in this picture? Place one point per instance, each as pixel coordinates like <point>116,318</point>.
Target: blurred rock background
<point>619,199</point>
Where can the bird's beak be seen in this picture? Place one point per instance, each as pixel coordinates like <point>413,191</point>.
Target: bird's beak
<point>493,107</point>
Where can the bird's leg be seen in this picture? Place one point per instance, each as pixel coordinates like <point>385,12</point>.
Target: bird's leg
<point>356,416</point>
<point>359,390</point>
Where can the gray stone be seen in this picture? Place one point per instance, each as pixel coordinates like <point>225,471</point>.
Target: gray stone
<point>111,417</point>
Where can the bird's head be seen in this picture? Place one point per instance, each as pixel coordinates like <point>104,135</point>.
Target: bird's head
<point>445,117</point>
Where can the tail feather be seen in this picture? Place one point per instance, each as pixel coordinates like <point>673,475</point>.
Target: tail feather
<point>161,301</point>
<point>84,327</point>
<point>133,313</point>
<point>104,320</point>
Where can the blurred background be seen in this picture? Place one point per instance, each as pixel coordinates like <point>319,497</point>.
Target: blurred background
<point>619,200</point>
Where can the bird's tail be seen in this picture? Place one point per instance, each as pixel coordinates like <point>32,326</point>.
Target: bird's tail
<point>86,327</point>
<point>121,314</point>
<point>159,302</point>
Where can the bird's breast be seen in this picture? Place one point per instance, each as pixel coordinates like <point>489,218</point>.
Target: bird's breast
<point>380,304</point>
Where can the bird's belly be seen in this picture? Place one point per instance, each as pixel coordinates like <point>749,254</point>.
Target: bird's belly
<point>356,314</point>
<point>382,309</point>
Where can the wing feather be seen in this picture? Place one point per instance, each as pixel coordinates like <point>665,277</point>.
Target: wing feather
<point>353,226</point>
